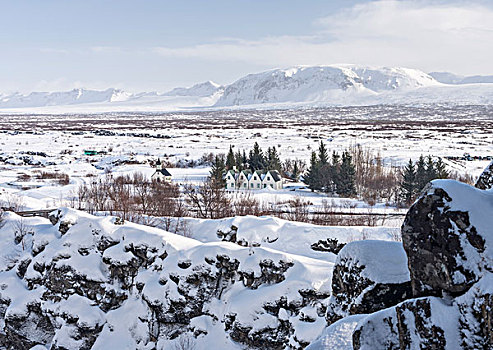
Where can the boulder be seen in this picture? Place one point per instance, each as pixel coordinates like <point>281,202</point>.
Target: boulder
<point>368,276</point>
<point>423,323</point>
<point>485,180</point>
<point>445,236</point>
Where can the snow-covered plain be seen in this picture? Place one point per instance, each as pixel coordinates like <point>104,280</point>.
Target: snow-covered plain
<point>397,133</point>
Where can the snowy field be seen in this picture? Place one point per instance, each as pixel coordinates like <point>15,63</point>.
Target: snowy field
<point>56,143</point>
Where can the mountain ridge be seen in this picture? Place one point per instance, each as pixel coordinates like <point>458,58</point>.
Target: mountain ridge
<point>340,85</point>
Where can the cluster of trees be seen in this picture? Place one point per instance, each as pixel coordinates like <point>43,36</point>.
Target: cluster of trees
<point>336,175</point>
<point>257,159</point>
<point>416,175</point>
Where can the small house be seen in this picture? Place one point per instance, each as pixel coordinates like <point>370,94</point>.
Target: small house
<point>161,174</point>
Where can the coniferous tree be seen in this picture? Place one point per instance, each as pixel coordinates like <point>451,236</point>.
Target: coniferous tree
<point>239,161</point>
<point>408,184</point>
<point>244,160</point>
<point>230,159</point>
<point>346,176</point>
<point>311,177</point>
<point>441,171</point>
<point>256,160</point>
<point>323,157</point>
<point>333,174</point>
<point>296,171</point>
<point>430,170</point>
<point>421,174</point>
<point>273,161</point>
<point>218,169</point>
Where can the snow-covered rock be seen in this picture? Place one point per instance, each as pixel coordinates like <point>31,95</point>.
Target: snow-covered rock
<point>448,238</point>
<point>81,282</point>
<point>368,276</point>
<point>485,180</point>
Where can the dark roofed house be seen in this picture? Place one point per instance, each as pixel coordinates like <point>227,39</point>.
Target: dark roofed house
<point>161,174</point>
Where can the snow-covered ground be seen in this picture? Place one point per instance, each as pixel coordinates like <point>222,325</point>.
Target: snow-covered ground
<point>56,144</point>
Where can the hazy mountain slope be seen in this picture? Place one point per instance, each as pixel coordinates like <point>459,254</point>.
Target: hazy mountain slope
<point>313,86</point>
<point>75,96</point>
<point>320,83</point>
<point>207,88</point>
<point>451,78</point>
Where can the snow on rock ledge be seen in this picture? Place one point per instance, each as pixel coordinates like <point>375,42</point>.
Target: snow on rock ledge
<point>448,238</point>
<point>485,180</point>
<point>368,276</point>
<point>93,282</point>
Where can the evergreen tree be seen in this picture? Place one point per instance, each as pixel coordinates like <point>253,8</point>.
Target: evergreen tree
<point>256,161</point>
<point>430,170</point>
<point>421,174</point>
<point>346,176</point>
<point>230,159</point>
<point>311,177</point>
<point>244,160</point>
<point>296,171</point>
<point>239,161</point>
<point>323,157</point>
<point>408,184</point>
<point>332,174</point>
<point>218,169</point>
<point>273,161</point>
<point>441,171</point>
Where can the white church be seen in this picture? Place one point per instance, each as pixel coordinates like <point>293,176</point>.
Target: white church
<point>161,174</point>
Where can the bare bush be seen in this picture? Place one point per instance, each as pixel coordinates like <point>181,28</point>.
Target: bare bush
<point>298,210</point>
<point>208,201</point>
<point>21,229</point>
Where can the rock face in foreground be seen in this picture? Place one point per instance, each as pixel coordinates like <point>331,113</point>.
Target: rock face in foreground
<point>444,235</point>
<point>448,238</point>
<point>84,282</point>
<point>368,276</point>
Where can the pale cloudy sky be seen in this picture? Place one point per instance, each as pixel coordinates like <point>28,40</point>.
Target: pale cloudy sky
<point>157,45</point>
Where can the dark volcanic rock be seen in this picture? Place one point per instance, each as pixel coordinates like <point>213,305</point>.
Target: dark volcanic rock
<point>485,180</point>
<point>414,324</point>
<point>368,276</point>
<point>444,241</point>
<point>448,238</point>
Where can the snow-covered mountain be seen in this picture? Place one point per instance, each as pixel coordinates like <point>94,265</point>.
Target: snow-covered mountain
<point>340,85</point>
<point>207,88</point>
<point>451,78</point>
<point>75,96</point>
<point>320,84</point>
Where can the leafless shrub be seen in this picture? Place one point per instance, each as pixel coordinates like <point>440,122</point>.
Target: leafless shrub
<point>246,204</point>
<point>12,202</point>
<point>298,210</point>
<point>208,201</point>
<point>21,229</point>
<point>61,178</point>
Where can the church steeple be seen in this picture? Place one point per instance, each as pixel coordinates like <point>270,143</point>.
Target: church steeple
<point>159,166</point>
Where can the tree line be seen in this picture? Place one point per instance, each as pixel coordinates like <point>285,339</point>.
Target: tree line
<point>257,159</point>
<point>416,175</point>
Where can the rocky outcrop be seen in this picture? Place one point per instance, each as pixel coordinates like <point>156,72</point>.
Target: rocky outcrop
<point>444,238</point>
<point>84,276</point>
<point>485,180</point>
<point>448,239</point>
<point>368,276</point>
